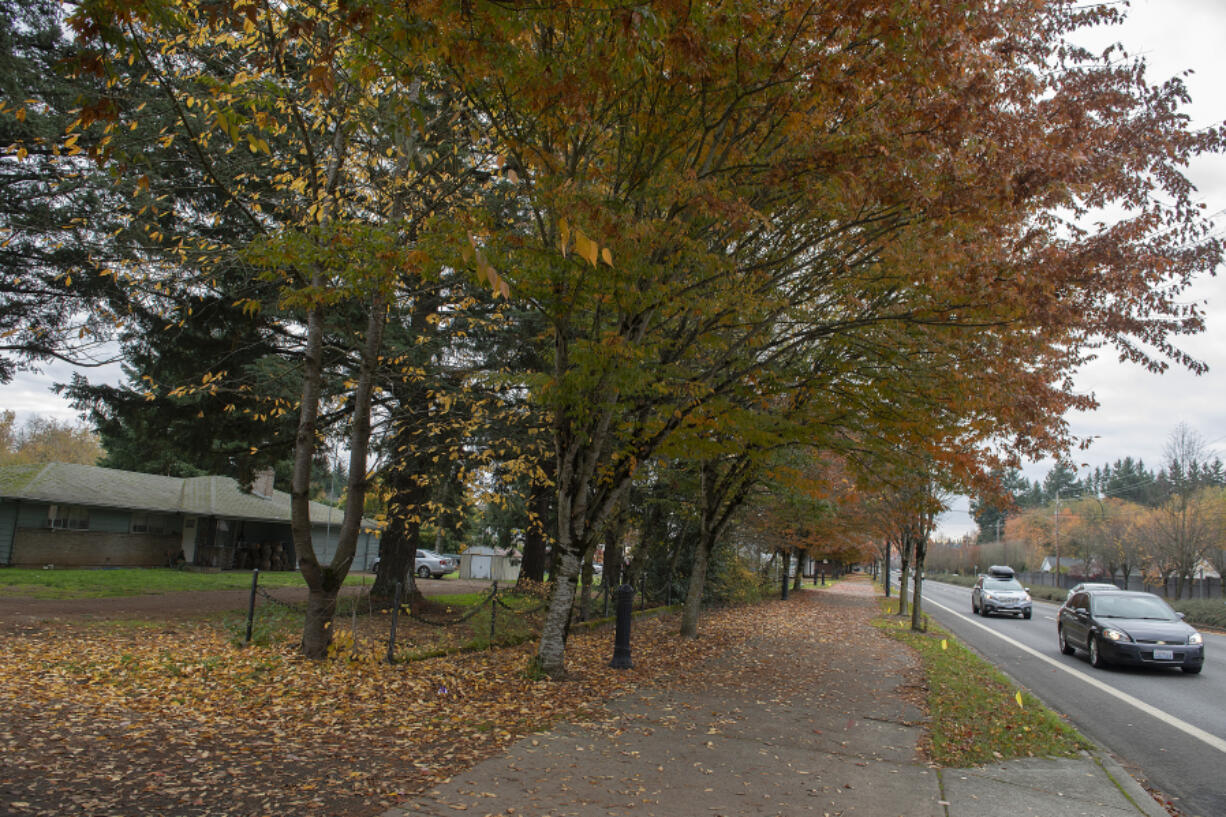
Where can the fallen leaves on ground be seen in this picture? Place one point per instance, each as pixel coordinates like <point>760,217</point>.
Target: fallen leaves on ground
<point>179,722</point>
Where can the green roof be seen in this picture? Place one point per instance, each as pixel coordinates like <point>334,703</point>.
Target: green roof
<point>68,483</point>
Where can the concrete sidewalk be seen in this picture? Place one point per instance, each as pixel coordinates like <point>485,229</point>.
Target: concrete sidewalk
<point>816,721</point>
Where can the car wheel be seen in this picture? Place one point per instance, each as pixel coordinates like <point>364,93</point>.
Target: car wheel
<point>1026,615</point>
<point>974,608</point>
<point>1065,647</point>
<point>1193,670</point>
<point>424,572</point>
<point>1096,658</point>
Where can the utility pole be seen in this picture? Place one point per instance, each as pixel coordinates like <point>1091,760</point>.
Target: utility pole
<point>1057,537</point>
<point>1006,546</point>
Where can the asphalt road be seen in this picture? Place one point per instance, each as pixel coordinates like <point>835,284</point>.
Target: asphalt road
<point>1166,726</point>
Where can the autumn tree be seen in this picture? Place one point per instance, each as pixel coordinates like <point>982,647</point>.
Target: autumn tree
<point>1121,543</point>
<point>693,171</point>
<point>46,439</point>
<point>340,188</point>
<point>1184,527</point>
<point>700,191</point>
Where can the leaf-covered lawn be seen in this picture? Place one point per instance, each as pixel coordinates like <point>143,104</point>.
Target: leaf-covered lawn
<point>177,721</point>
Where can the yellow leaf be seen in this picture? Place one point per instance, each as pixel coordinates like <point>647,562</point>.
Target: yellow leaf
<point>606,255</point>
<point>586,247</point>
<point>944,644</point>
<point>1018,698</point>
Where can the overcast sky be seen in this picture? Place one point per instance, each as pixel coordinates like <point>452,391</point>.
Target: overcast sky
<point>1138,410</point>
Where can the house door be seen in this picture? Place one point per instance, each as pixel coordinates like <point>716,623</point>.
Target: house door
<point>188,543</point>
<point>480,566</point>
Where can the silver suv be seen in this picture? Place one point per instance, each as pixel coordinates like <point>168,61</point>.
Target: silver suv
<point>1000,592</point>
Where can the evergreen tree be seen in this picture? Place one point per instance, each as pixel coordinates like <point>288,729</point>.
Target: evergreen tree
<point>1061,480</point>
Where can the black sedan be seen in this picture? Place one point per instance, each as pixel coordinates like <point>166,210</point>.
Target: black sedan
<point>1117,626</point>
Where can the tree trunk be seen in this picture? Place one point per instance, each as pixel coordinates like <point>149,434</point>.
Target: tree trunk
<point>536,537</point>
<point>326,581</point>
<point>551,652</point>
<point>585,589</point>
<point>783,573</point>
<point>886,569</point>
<point>397,558</point>
<point>317,630</point>
<point>694,590</point>
<point>904,555</point>
<point>614,553</point>
<point>917,613</point>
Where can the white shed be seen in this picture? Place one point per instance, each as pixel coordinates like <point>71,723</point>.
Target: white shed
<point>492,564</point>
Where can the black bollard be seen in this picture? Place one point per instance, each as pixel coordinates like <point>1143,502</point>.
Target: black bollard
<point>621,640</point>
<point>823,578</point>
<point>255,581</point>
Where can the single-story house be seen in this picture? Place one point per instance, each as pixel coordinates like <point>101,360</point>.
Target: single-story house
<point>482,562</point>
<point>71,515</point>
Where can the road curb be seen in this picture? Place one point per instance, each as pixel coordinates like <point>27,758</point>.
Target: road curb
<point>1128,785</point>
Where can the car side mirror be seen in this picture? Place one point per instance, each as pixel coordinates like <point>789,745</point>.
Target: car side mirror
<point>1181,615</point>
<point>1081,611</point>
<point>1027,589</point>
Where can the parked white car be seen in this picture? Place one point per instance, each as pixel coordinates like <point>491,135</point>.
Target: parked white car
<point>429,563</point>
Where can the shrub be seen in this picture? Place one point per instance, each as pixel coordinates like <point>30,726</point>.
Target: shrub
<point>732,580</point>
<point>1205,612</point>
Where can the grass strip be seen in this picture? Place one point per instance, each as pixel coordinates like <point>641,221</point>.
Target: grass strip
<point>72,583</point>
<point>976,714</point>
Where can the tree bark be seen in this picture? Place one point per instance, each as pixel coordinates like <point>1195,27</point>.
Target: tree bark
<point>904,555</point>
<point>317,630</point>
<point>917,615</point>
<point>323,583</point>
<point>316,636</point>
<point>783,573</point>
<point>536,538</point>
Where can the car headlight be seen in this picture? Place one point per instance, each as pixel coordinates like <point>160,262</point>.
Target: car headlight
<point>1114,634</point>
<point>988,596</point>
<point>1196,638</point>
<point>1025,597</point>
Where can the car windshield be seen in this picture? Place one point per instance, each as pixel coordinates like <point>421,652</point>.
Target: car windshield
<point>1132,607</point>
<point>1002,584</point>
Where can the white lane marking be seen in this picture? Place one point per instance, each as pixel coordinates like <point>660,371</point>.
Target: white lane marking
<point>1181,725</point>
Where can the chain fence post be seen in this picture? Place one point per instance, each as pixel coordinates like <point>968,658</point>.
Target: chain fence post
<point>493,613</point>
<point>255,580</point>
<point>391,639</point>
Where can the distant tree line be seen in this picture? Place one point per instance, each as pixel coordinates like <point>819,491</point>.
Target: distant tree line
<point>1123,519</point>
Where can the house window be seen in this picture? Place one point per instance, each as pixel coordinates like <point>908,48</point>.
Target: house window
<point>68,517</point>
<point>150,522</point>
